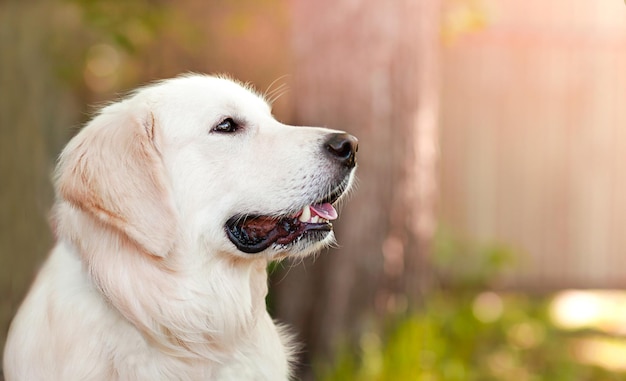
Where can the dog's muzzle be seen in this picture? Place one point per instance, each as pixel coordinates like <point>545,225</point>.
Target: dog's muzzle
<point>254,233</point>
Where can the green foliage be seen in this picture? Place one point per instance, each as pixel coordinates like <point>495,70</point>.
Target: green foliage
<point>464,333</point>
<point>446,342</point>
<point>128,30</point>
<point>463,263</point>
<point>120,19</point>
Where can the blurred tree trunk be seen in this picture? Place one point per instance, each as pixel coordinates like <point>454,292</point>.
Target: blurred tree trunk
<point>370,68</point>
<point>34,123</point>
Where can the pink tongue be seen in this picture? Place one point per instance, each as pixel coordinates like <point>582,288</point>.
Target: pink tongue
<point>326,211</point>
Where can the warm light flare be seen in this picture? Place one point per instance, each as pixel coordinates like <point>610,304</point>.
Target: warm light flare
<point>604,310</point>
<point>488,307</point>
<point>609,353</point>
<point>101,67</point>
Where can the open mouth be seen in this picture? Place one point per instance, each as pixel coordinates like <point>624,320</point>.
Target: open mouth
<point>253,234</point>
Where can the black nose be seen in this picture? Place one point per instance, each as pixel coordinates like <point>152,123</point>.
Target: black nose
<point>343,147</point>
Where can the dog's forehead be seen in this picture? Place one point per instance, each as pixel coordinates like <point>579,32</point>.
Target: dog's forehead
<point>200,91</point>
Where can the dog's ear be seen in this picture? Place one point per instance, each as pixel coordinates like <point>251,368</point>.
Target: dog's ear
<point>113,170</point>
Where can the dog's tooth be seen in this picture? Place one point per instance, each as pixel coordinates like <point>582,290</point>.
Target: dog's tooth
<point>315,219</point>
<point>306,214</point>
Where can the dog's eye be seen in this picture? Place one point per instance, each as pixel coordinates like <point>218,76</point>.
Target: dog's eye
<point>226,125</point>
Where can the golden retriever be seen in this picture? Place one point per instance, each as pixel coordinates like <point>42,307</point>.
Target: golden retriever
<point>169,205</point>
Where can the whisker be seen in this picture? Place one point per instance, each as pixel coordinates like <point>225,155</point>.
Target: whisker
<point>279,93</point>
<point>270,93</point>
<point>277,89</point>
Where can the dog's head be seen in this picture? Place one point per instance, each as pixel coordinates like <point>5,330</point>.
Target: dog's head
<point>200,160</point>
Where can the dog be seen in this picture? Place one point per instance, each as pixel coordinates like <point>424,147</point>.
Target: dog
<point>169,205</point>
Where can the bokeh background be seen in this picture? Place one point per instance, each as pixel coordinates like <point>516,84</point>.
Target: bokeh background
<point>485,240</point>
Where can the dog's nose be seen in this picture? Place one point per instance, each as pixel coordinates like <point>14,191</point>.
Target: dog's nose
<point>343,147</point>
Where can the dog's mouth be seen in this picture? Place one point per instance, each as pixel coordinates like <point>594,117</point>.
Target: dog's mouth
<point>255,233</point>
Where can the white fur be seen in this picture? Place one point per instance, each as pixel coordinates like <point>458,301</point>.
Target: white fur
<point>143,283</point>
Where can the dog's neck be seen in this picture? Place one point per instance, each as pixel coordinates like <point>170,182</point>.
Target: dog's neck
<point>184,308</point>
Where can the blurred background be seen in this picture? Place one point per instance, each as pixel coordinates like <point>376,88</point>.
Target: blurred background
<point>485,239</point>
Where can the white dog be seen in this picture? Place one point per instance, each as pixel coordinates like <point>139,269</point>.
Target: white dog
<point>169,206</point>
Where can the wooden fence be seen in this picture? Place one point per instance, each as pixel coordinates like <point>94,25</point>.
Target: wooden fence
<point>534,138</point>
